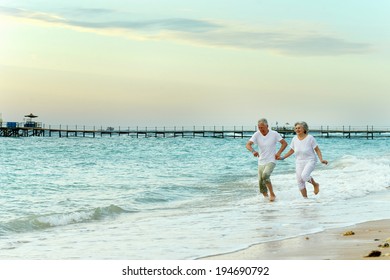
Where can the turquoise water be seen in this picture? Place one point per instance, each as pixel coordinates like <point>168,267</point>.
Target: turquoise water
<point>173,198</point>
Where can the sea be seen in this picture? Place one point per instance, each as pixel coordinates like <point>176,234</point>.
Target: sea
<point>155,198</point>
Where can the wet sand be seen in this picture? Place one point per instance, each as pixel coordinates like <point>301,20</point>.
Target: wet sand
<point>349,243</point>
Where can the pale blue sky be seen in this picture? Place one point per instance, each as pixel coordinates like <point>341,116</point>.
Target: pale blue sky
<point>195,62</point>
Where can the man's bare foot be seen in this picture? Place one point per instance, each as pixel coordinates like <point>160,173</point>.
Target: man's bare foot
<point>316,188</point>
<point>272,198</point>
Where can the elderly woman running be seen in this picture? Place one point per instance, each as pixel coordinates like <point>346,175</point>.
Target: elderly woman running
<point>305,148</point>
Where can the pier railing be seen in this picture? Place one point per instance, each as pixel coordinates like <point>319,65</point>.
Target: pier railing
<point>21,130</point>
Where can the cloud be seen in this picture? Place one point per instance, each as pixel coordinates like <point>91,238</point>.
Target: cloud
<point>174,24</point>
<point>171,24</point>
<point>27,14</point>
<point>196,31</point>
<point>283,42</point>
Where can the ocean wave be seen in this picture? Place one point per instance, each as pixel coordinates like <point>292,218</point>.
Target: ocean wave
<point>41,222</point>
<point>355,163</point>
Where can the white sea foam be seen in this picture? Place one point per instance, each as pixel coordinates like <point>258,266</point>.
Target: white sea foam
<point>65,219</point>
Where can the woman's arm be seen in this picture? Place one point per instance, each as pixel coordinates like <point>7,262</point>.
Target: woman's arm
<point>289,153</point>
<point>319,154</point>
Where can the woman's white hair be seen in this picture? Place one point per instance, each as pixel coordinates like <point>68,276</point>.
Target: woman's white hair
<point>304,125</point>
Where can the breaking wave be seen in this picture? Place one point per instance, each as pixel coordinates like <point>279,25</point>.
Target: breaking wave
<point>41,222</point>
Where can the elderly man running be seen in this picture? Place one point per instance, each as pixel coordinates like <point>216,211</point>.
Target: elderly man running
<point>266,141</point>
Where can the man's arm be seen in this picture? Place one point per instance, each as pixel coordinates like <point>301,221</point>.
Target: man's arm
<point>282,148</point>
<point>250,148</point>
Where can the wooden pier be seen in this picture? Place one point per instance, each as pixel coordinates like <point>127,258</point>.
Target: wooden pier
<point>138,132</point>
<point>368,132</point>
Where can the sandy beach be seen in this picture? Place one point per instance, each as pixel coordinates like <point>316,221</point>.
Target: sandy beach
<point>349,243</point>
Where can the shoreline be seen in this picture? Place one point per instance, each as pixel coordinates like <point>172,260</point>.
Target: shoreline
<point>353,242</point>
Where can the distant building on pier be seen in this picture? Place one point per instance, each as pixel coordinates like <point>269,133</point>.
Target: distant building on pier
<point>29,122</point>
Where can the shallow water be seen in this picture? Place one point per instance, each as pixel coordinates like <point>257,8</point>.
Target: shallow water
<point>173,198</point>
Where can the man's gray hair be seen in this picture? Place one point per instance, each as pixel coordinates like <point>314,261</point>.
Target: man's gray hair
<point>304,125</point>
<point>264,121</point>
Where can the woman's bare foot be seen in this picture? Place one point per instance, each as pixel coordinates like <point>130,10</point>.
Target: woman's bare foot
<point>315,185</point>
<point>304,193</point>
<point>316,188</point>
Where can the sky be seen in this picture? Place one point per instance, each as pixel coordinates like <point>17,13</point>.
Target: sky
<point>195,62</point>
